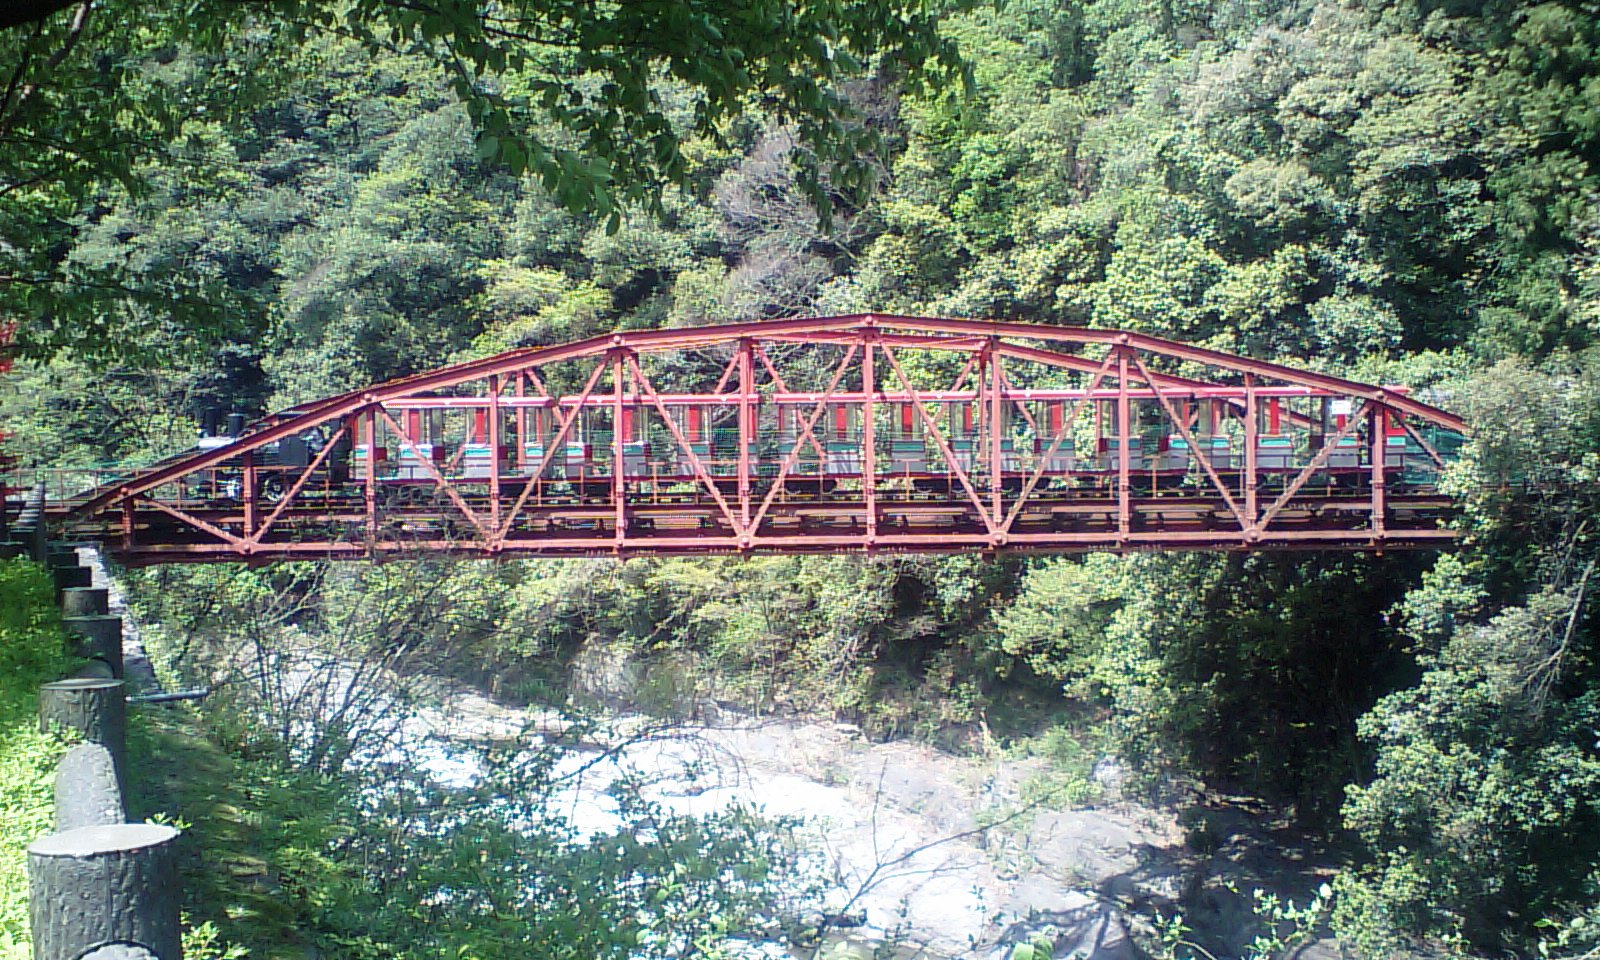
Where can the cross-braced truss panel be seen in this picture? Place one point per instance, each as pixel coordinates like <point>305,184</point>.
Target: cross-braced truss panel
<point>864,433</point>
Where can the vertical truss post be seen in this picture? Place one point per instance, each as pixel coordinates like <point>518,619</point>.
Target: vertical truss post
<point>618,497</point>
<point>519,386</point>
<point>747,427</point>
<point>996,418</point>
<point>869,436</point>
<point>1377,417</point>
<point>127,525</point>
<point>1124,455</point>
<point>371,491</point>
<point>1250,429</point>
<point>496,450</point>
<point>249,493</point>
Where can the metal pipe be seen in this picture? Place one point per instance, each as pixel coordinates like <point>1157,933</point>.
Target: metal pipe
<point>173,697</point>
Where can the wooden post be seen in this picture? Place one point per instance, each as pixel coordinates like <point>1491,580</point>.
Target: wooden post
<point>119,951</point>
<point>89,708</point>
<point>93,670</point>
<point>87,791</point>
<point>85,602</point>
<point>99,638</point>
<point>97,887</point>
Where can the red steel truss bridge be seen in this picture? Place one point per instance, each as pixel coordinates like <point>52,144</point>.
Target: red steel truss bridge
<point>865,433</point>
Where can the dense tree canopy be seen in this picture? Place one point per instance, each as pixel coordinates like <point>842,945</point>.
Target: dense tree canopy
<point>596,101</point>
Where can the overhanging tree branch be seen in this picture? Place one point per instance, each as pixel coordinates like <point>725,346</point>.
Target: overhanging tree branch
<point>21,12</point>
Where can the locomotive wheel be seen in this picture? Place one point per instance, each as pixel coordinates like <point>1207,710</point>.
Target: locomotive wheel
<point>271,489</point>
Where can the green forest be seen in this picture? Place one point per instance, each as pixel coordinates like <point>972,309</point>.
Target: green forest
<point>251,205</point>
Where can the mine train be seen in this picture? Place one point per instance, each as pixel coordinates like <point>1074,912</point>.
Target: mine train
<point>449,439</point>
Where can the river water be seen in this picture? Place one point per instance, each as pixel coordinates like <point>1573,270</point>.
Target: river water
<point>921,847</point>
<point>936,852</point>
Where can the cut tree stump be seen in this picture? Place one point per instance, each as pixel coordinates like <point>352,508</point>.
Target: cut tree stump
<point>85,602</point>
<point>87,791</point>
<point>68,577</point>
<point>98,638</point>
<point>90,708</point>
<point>94,888</point>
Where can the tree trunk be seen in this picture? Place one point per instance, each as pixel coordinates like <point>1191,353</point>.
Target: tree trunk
<point>96,887</point>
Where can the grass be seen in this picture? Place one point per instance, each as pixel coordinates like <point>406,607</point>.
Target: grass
<point>32,652</point>
<point>232,851</point>
<point>257,879</point>
<point>243,825</point>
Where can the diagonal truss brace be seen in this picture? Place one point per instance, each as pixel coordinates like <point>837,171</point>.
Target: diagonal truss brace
<point>808,425</point>
<point>297,486</point>
<point>700,471</point>
<point>1317,463</point>
<point>1056,441</point>
<point>782,387</point>
<point>1195,453</point>
<point>557,443</point>
<point>192,521</point>
<point>438,478</point>
<point>932,428</point>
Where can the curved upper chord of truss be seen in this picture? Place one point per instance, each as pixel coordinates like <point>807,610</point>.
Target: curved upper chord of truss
<point>867,432</point>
